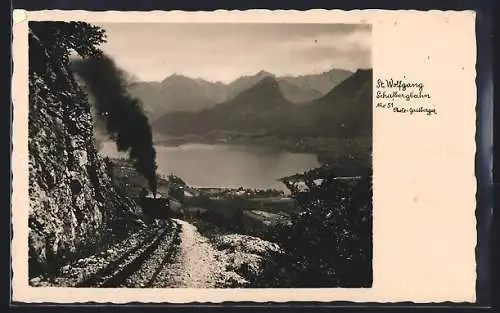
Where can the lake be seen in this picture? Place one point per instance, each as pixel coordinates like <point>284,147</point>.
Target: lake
<point>230,166</point>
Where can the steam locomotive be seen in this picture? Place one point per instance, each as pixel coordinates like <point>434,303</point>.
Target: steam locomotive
<point>155,206</point>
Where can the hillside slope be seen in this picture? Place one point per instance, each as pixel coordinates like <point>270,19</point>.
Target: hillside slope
<point>178,93</point>
<point>252,110</point>
<point>345,111</point>
<point>74,209</point>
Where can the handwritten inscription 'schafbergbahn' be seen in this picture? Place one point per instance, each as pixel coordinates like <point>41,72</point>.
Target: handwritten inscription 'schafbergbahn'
<point>400,96</point>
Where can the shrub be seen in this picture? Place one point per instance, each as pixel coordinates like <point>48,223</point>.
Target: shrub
<point>329,243</point>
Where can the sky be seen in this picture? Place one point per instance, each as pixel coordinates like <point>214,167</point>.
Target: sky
<point>224,52</point>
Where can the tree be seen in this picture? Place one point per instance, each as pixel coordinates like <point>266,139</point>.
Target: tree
<point>61,38</point>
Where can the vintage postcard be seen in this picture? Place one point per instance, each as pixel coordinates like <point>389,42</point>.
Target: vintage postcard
<point>254,155</point>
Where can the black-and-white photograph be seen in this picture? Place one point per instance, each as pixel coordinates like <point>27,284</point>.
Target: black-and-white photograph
<point>200,155</point>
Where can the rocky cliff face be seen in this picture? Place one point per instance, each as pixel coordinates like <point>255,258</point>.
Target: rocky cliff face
<point>74,209</point>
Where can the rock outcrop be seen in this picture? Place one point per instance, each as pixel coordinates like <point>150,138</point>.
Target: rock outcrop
<point>74,209</point>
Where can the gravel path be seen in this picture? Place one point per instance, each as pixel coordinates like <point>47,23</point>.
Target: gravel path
<point>197,264</point>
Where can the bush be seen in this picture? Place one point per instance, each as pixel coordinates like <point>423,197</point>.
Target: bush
<point>329,243</point>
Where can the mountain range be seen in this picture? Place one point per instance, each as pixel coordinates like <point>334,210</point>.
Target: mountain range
<point>178,93</point>
<point>344,111</point>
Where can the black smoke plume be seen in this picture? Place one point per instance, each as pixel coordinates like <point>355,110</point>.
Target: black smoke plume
<point>124,118</point>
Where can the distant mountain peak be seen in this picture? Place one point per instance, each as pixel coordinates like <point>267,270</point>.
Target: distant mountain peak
<point>337,70</point>
<point>363,71</point>
<point>268,85</point>
<point>352,85</point>
<point>177,75</point>
<point>177,78</point>
<point>263,73</point>
<point>268,80</point>
<point>265,93</point>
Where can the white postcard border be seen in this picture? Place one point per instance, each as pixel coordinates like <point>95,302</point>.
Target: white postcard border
<point>424,184</point>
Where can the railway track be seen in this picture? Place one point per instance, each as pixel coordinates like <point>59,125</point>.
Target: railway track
<point>140,266</point>
<point>145,276</point>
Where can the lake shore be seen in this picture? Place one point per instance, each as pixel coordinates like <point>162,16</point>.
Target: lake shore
<point>346,155</point>
<point>226,165</point>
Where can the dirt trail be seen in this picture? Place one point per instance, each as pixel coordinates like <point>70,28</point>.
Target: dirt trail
<point>197,265</point>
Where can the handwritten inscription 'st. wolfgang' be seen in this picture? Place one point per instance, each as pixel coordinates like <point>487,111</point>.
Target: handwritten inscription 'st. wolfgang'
<point>415,98</point>
<point>399,84</point>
